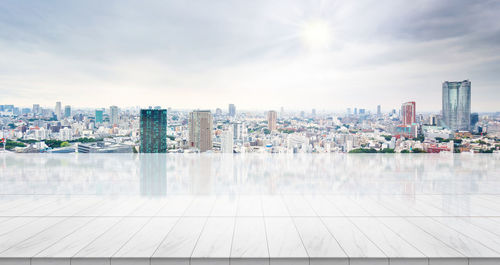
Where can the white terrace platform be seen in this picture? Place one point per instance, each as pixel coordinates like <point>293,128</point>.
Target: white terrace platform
<point>213,209</point>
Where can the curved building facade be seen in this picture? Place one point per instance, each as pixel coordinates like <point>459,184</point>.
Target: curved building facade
<point>456,105</point>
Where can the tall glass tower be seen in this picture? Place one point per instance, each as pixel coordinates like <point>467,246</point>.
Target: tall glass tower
<point>99,115</point>
<point>456,105</point>
<point>153,130</point>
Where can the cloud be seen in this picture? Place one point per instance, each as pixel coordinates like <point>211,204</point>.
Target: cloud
<point>202,54</point>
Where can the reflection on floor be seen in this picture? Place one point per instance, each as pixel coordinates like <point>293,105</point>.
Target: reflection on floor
<point>213,209</point>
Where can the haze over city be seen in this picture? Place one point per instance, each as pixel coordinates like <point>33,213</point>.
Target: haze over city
<point>258,54</point>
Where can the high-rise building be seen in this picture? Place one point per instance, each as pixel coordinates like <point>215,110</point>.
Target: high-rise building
<point>272,118</point>
<point>232,110</point>
<point>474,118</point>
<point>36,108</point>
<point>408,113</point>
<point>362,111</point>
<point>67,111</point>
<point>153,126</point>
<point>227,142</point>
<point>114,115</point>
<point>239,131</point>
<point>200,130</point>
<point>313,112</point>
<point>348,111</point>
<point>432,120</point>
<point>456,105</point>
<point>379,110</point>
<point>58,110</point>
<point>355,111</point>
<point>99,113</point>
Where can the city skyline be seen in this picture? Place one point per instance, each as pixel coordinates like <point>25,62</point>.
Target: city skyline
<point>302,55</point>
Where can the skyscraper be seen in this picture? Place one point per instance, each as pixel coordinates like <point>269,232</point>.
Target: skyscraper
<point>232,110</point>
<point>113,110</point>
<point>200,130</point>
<point>379,110</point>
<point>432,120</point>
<point>227,141</point>
<point>474,119</point>
<point>153,127</point>
<point>456,105</point>
<point>239,130</point>
<point>58,110</point>
<point>99,115</point>
<point>36,108</point>
<point>67,111</point>
<point>408,112</point>
<point>272,117</point>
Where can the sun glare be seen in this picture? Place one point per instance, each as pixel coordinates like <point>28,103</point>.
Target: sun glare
<point>316,34</point>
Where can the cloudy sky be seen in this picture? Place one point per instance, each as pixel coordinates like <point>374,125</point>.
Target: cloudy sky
<point>258,54</point>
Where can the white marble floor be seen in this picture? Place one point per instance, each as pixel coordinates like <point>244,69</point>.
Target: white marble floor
<point>76,230</point>
<point>274,221</point>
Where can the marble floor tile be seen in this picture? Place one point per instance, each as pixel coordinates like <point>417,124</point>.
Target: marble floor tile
<point>200,206</point>
<point>33,245</point>
<point>351,239</point>
<point>249,241</point>
<point>175,206</point>
<point>249,205</point>
<point>465,227</point>
<point>225,205</point>
<point>273,205</point>
<point>113,239</point>
<point>322,206</point>
<point>71,244</point>
<point>427,244</point>
<point>145,242</point>
<point>26,231</point>
<point>347,206</point>
<point>182,239</point>
<point>13,223</point>
<point>389,242</point>
<point>297,205</point>
<point>319,243</point>
<point>216,239</point>
<point>150,207</point>
<point>283,239</point>
<point>458,241</point>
